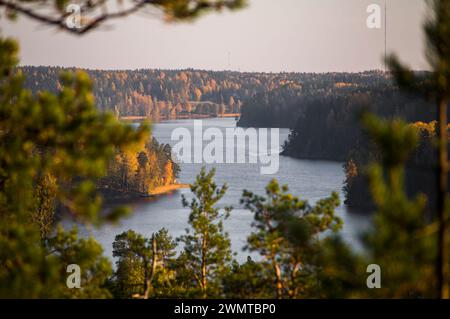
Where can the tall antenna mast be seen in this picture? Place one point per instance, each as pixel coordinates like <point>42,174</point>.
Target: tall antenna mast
<point>385,36</point>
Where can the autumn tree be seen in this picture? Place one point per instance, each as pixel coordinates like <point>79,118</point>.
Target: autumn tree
<point>168,173</point>
<point>140,169</point>
<point>198,94</point>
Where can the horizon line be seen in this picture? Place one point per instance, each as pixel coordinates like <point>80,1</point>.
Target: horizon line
<point>211,70</point>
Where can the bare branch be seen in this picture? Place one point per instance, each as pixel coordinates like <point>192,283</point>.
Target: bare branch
<point>60,21</point>
<point>179,10</point>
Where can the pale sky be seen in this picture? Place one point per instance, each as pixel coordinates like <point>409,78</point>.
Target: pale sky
<point>267,36</point>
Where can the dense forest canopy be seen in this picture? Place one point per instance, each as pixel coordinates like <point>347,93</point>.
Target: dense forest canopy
<point>140,169</point>
<point>419,170</point>
<point>162,94</point>
<point>328,127</point>
<point>282,106</point>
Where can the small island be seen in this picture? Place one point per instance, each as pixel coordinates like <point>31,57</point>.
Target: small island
<point>146,170</point>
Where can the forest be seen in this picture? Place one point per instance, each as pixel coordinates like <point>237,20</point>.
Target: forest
<point>139,169</point>
<point>61,138</point>
<point>328,126</point>
<point>163,94</point>
<point>420,171</point>
<point>284,106</point>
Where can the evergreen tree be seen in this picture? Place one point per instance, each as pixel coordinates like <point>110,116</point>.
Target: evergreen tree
<point>399,241</point>
<point>435,86</point>
<point>286,235</point>
<point>206,244</point>
<point>45,195</point>
<point>95,269</point>
<point>51,147</point>
<point>247,280</point>
<point>142,265</point>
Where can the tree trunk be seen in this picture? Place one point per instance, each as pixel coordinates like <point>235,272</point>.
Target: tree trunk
<point>279,282</point>
<point>203,276</point>
<point>442,258</point>
<point>148,279</point>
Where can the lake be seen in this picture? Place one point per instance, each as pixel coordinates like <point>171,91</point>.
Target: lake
<point>310,180</point>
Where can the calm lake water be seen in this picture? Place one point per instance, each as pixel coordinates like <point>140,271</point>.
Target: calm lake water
<point>310,180</point>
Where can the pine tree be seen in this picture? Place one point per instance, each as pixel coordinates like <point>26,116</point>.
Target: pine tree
<point>42,136</point>
<point>435,86</point>
<point>286,236</point>
<point>206,244</point>
<point>45,194</point>
<point>140,261</point>
<point>399,241</point>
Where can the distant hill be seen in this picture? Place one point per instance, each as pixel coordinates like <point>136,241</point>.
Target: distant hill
<point>162,94</point>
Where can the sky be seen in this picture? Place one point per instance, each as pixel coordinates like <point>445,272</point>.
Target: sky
<point>267,36</point>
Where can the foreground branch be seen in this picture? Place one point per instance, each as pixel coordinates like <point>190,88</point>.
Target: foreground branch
<point>60,21</point>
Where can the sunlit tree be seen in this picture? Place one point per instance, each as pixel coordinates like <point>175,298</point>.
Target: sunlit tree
<point>206,244</point>
<point>286,235</point>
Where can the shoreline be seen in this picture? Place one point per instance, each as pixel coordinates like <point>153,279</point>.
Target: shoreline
<point>139,119</point>
<point>165,189</point>
<point>112,197</point>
